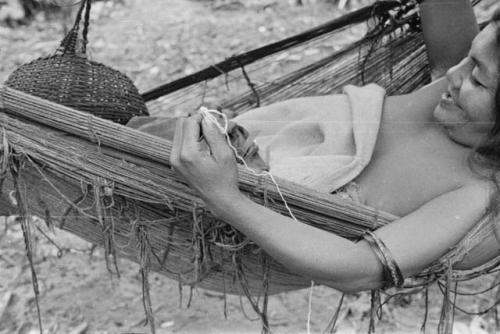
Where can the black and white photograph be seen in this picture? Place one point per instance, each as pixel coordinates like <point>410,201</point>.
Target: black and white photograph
<point>249,166</point>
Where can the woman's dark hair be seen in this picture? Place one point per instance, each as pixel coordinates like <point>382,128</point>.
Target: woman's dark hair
<point>485,159</point>
<point>488,153</point>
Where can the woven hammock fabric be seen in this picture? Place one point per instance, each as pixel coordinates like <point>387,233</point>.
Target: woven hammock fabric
<point>149,195</point>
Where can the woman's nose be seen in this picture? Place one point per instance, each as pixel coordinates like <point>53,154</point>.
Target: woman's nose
<point>454,77</point>
<point>457,73</point>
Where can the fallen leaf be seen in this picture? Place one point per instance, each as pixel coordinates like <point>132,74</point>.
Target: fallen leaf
<point>80,329</point>
<point>5,302</point>
<point>167,324</point>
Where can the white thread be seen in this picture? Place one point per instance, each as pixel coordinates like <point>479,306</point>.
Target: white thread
<point>207,114</point>
<point>309,310</point>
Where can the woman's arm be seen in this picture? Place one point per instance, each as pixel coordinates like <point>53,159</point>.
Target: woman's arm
<point>449,26</point>
<point>415,240</point>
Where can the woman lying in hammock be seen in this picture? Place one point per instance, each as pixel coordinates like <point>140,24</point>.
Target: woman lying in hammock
<point>436,154</point>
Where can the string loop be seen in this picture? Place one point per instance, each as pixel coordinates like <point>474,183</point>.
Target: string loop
<point>208,115</point>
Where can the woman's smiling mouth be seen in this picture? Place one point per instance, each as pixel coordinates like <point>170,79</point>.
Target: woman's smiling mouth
<point>448,112</point>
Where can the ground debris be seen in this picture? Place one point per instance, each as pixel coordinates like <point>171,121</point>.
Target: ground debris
<point>80,329</point>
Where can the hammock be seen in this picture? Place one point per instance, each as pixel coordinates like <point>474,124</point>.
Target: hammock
<point>112,185</point>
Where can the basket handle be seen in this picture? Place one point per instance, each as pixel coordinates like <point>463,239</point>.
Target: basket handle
<point>69,42</point>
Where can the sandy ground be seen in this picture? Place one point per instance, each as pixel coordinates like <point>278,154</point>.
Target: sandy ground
<point>155,43</point>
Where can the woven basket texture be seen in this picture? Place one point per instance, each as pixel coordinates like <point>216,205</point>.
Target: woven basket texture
<point>77,82</point>
<point>69,78</point>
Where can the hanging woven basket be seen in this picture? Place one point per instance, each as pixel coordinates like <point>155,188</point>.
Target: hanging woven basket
<point>69,78</point>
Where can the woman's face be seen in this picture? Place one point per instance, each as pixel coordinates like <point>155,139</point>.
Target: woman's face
<point>467,110</point>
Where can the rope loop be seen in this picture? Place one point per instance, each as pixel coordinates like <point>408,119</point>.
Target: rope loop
<point>70,41</point>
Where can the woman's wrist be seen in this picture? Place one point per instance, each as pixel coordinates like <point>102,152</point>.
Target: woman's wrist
<point>224,203</point>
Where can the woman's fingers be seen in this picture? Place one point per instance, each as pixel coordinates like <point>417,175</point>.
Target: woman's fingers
<point>177,142</point>
<point>216,140</point>
<point>186,145</point>
<point>203,171</point>
<point>190,137</point>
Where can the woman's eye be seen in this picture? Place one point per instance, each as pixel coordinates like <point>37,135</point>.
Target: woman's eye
<point>477,82</point>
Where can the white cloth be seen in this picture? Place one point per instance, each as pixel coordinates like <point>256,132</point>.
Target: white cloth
<point>324,149</point>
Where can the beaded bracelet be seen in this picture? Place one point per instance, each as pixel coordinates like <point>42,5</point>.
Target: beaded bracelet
<point>390,270</point>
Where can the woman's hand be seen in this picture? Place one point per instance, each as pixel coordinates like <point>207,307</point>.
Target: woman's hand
<point>211,170</point>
